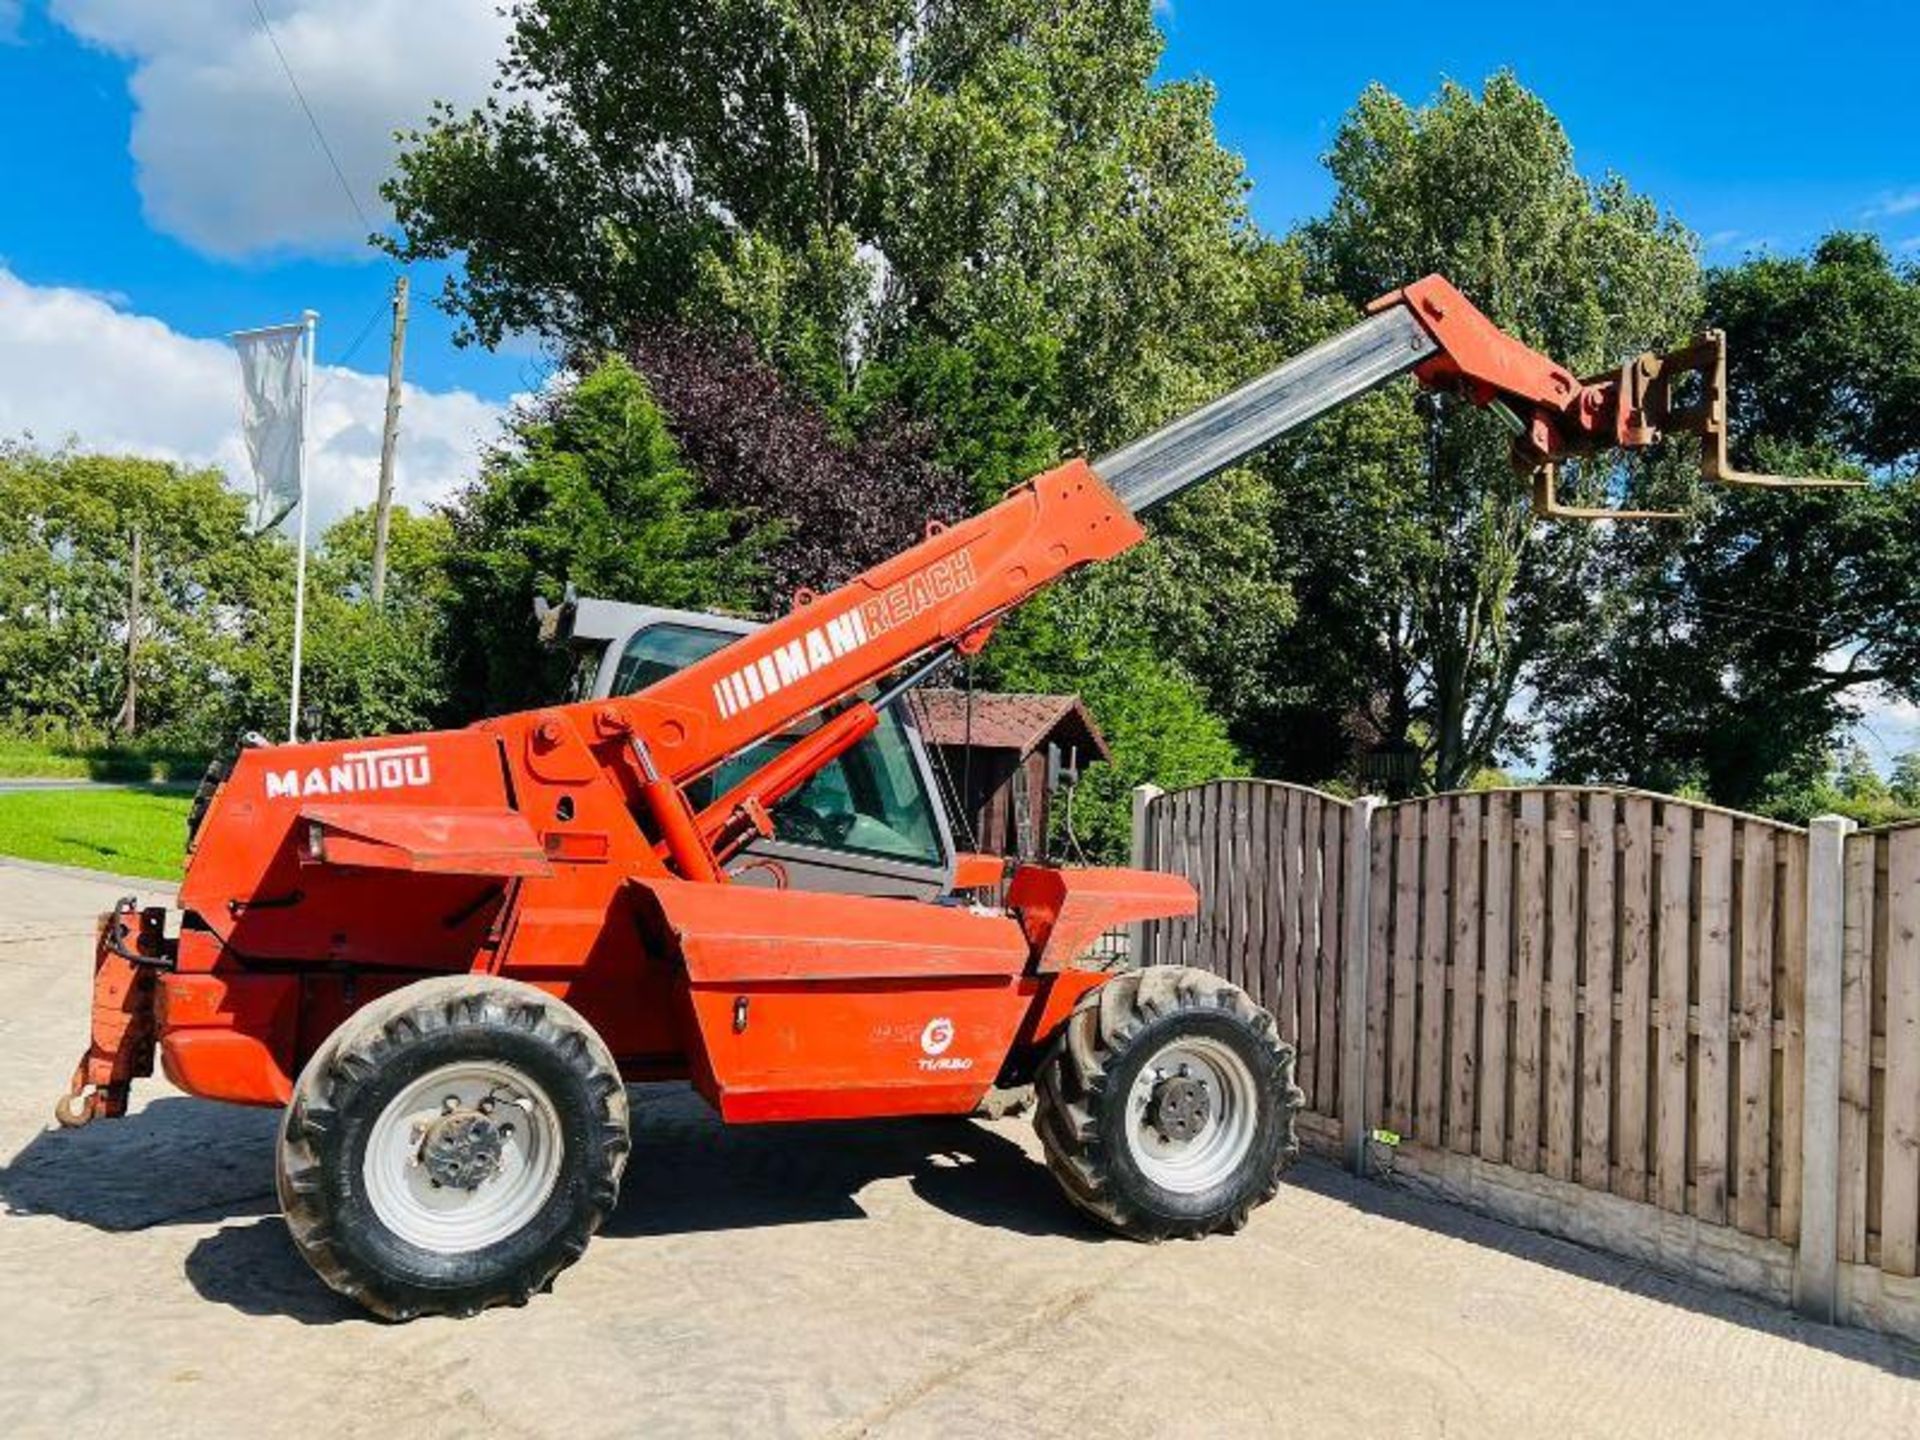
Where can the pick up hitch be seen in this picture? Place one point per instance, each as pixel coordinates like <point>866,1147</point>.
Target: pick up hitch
<point>120,1048</point>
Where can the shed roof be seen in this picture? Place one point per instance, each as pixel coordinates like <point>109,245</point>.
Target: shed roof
<point>1021,723</point>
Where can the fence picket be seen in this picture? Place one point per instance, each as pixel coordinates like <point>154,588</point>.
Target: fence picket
<point>1292,875</point>
<point>1406,940</point>
<point>1753,1027</point>
<point>1530,958</point>
<point>1715,956</point>
<point>1312,880</point>
<point>1674,943</point>
<point>1259,875</point>
<point>1790,1007</point>
<point>1856,1046</point>
<point>1331,872</point>
<point>1463,971</point>
<point>1430,1092</point>
<point>1599,925</point>
<point>1496,914</point>
<point>1273,895</point>
<point>1563,948</point>
<point>1379,940</point>
<point>1900,1148</point>
<point>1635,902</point>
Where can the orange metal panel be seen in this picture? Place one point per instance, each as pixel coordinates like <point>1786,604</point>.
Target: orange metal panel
<point>246,881</point>
<point>1065,911</point>
<point>815,1006</point>
<point>445,840</point>
<point>838,1051</point>
<point>732,934</point>
<point>230,1038</point>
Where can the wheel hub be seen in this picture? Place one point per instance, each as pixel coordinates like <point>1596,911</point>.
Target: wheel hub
<point>462,1149</point>
<point>1180,1106</point>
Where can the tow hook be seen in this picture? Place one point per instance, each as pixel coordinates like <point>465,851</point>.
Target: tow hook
<point>120,1047</point>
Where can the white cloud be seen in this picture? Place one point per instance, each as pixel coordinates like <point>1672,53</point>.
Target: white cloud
<point>73,365</point>
<point>1905,202</point>
<point>225,158</point>
<point>1888,726</point>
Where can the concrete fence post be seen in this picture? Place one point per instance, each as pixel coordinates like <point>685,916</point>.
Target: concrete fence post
<point>1355,940</point>
<point>1141,857</point>
<point>1816,1270</point>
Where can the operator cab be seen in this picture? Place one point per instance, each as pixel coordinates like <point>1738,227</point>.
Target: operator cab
<point>868,824</point>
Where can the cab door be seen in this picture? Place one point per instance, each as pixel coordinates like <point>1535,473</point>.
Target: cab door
<point>868,824</point>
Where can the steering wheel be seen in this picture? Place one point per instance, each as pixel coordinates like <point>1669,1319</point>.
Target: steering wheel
<point>807,826</point>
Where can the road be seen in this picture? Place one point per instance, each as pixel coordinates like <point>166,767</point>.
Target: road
<point>906,1279</point>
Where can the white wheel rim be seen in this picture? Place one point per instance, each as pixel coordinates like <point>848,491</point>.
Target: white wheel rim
<point>453,1219</point>
<point>1203,1160</point>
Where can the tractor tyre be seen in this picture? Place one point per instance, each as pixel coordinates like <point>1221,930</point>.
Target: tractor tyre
<point>1166,1106</point>
<point>452,1146</point>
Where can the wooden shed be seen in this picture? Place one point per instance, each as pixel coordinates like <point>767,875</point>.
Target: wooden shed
<point>1003,756</point>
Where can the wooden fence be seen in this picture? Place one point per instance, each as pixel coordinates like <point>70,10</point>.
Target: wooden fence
<point>1595,991</point>
<point>1879,1131</point>
<point>1267,861</point>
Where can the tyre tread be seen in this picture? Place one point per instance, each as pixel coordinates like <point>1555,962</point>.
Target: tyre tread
<point>1071,1083</point>
<point>352,1055</point>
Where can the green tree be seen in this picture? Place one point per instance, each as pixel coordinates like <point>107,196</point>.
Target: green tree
<point>366,669</point>
<point>588,489</point>
<point>1156,720</point>
<point>1905,781</point>
<point>1738,649</point>
<point>989,215</point>
<point>1403,528</point>
<point>67,521</point>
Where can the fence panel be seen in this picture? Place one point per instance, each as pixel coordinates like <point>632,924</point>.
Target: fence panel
<point>1604,988</point>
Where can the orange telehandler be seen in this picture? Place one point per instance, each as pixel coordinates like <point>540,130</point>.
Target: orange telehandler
<point>445,953</point>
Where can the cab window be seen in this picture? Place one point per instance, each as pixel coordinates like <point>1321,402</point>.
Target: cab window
<point>659,650</point>
<point>871,801</point>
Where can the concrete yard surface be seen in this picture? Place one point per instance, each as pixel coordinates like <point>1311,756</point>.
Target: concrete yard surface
<point>901,1279</point>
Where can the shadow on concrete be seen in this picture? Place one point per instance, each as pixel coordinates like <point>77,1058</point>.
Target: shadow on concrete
<point>175,1161</point>
<point>1866,1347</point>
<point>184,1161</point>
<point>253,1267</point>
<point>689,1172</point>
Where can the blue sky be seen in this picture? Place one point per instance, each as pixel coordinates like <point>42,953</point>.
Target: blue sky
<point>162,186</point>
<point>1758,124</point>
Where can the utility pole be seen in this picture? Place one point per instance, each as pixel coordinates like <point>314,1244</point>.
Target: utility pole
<point>383,507</point>
<point>129,715</point>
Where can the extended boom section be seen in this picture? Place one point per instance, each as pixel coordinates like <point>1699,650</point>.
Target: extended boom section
<point>1220,435</point>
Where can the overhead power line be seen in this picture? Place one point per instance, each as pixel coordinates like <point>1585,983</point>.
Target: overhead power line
<point>312,119</point>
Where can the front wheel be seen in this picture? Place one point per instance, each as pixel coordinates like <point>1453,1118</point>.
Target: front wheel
<point>1166,1106</point>
<point>452,1146</point>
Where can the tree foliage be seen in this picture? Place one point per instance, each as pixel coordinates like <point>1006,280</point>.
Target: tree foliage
<point>586,487</point>
<point>212,658</point>
<point>829,504</point>
<point>1404,527</point>
<point>1733,652</point>
<point>988,220</point>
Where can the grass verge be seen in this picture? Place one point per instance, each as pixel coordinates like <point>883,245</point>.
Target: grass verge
<point>40,760</point>
<point>129,831</point>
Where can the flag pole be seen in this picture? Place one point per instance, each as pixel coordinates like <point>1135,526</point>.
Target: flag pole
<point>310,319</point>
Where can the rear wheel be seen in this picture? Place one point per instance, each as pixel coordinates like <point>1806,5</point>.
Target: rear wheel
<point>452,1146</point>
<point>1166,1107</point>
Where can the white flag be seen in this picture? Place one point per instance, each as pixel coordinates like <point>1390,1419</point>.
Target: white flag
<point>271,369</point>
